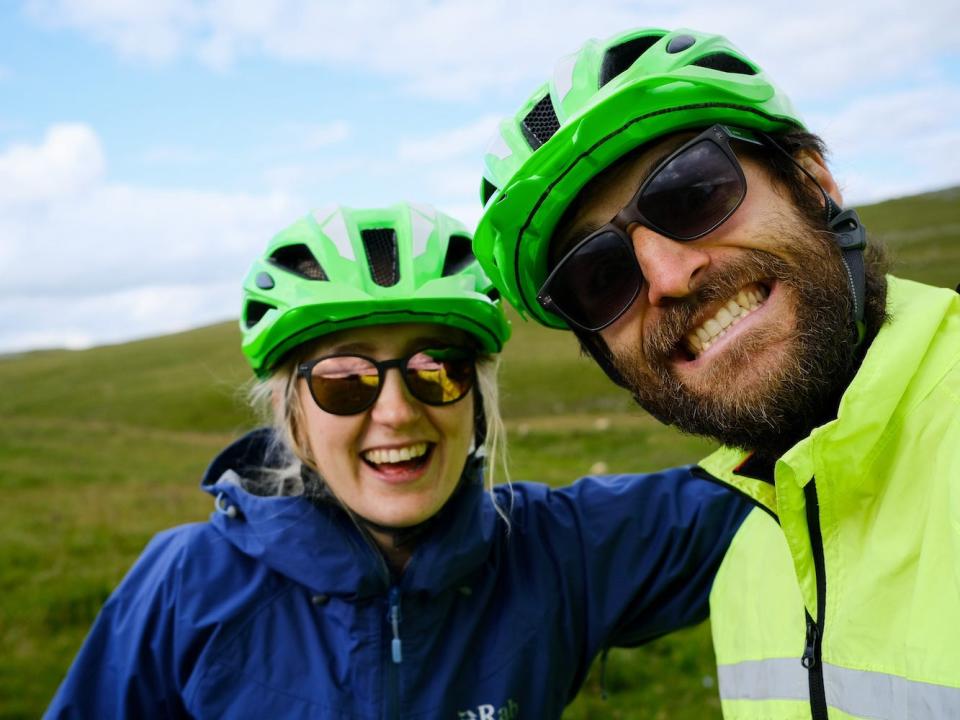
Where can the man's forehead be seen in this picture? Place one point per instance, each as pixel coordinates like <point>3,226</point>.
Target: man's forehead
<point>608,191</point>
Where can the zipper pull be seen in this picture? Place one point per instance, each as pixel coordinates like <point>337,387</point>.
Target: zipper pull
<point>809,659</point>
<point>393,615</point>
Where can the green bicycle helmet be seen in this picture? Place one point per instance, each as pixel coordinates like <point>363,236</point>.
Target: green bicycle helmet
<point>603,101</point>
<point>344,268</point>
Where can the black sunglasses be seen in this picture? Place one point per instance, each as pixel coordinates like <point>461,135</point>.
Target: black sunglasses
<point>349,384</point>
<point>688,195</point>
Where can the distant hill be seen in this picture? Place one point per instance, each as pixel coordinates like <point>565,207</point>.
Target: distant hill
<point>922,233</point>
<point>189,380</point>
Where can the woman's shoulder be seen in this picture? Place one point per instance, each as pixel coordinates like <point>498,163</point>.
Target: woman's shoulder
<point>181,547</point>
<point>194,561</point>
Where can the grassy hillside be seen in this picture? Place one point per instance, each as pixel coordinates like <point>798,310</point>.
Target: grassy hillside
<point>102,448</point>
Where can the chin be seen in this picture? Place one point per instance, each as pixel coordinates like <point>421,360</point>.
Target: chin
<point>405,515</point>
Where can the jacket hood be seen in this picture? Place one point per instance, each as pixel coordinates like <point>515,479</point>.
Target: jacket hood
<point>318,545</point>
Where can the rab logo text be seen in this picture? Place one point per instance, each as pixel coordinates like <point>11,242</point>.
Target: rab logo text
<point>510,711</point>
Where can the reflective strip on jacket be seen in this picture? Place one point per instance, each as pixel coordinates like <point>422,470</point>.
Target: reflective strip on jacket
<point>280,608</point>
<point>851,562</point>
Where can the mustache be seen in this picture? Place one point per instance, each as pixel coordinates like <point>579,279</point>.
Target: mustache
<point>722,284</point>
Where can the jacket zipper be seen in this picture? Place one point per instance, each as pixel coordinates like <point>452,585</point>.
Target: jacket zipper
<point>391,706</point>
<point>811,659</point>
<point>396,652</point>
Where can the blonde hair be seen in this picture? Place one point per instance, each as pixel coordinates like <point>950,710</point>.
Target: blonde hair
<point>277,402</point>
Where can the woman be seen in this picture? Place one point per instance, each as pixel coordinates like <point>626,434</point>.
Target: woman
<point>358,564</point>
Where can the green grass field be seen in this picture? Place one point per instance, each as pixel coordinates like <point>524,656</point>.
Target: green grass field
<point>102,448</point>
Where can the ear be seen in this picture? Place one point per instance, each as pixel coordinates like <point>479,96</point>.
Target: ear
<point>813,163</point>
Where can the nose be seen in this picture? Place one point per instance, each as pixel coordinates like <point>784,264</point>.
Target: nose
<point>395,406</point>
<point>671,269</point>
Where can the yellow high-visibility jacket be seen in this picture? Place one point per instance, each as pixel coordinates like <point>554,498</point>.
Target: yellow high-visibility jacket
<point>840,594</point>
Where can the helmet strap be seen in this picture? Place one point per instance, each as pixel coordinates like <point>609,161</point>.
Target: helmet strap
<point>593,344</point>
<point>850,238</point>
<point>479,420</point>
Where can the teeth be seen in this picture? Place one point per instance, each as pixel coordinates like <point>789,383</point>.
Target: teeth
<point>724,317</point>
<point>380,456</point>
<point>745,302</point>
<point>713,327</point>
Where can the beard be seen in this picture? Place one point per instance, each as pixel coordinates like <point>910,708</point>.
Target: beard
<point>771,386</point>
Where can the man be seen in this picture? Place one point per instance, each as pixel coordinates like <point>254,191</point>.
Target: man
<point>661,198</point>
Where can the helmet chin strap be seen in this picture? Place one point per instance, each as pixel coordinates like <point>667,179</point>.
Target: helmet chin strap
<point>850,238</point>
<point>594,345</point>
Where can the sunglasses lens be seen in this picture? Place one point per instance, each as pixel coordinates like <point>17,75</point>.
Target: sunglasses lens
<point>693,193</point>
<point>597,282</point>
<point>344,385</point>
<point>438,376</point>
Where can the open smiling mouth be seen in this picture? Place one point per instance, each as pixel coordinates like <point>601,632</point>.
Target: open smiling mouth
<point>410,457</point>
<point>716,326</point>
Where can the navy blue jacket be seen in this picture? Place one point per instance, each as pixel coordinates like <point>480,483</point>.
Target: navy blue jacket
<point>281,608</point>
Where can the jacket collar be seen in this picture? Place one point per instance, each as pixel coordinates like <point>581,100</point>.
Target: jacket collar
<point>907,358</point>
<point>319,545</point>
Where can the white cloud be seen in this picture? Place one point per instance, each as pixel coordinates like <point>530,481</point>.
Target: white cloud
<point>325,134</point>
<point>77,323</point>
<point>307,178</point>
<point>462,48</point>
<point>173,155</point>
<point>159,30</point>
<point>96,261</point>
<point>873,78</point>
<point>893,119</point>
<point>894,144</point>
<point>116,237</point>
<point>437,49</point>
<point>447,164</point>
<point>468,140</point>
<point>67,161</point>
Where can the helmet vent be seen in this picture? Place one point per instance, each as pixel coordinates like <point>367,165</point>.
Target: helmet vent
<point>724,62</point>
<point>459,255</point>
<point>299,260</point>
<point>487,189</point>
<point>619,58</point>
<point>541,123</point>
<point>254,312</point>
<point>381,247</point>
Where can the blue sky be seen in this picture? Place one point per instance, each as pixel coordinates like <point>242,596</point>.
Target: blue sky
<point>148,150</point>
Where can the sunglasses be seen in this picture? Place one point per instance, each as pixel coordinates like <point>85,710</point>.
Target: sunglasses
<point>349,384</point>
<point>688,195</point>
